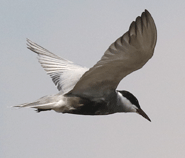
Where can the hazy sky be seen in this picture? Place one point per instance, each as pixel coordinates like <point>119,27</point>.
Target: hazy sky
<point>81,31</point>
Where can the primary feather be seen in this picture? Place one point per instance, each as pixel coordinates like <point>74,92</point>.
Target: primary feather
<point>64,73</point>
<point>127,54</point>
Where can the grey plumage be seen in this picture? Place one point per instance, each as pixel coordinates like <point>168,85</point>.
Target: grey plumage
<point>93,91</point>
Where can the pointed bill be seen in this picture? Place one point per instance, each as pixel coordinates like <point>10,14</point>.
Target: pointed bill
<point>142,113</point>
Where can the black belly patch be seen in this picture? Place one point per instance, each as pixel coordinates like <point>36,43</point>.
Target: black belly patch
<point>90,108</point>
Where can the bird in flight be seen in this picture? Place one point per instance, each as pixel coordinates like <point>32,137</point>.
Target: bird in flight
<point>93,91</point>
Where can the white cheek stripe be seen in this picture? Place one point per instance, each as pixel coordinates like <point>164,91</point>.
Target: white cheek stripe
<point>127,105</point>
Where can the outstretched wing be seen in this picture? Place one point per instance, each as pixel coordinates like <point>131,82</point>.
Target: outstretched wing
<point>127,54</point>
<point>64,73</point>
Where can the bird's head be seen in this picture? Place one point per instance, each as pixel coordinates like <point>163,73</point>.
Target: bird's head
<point>130,103</point>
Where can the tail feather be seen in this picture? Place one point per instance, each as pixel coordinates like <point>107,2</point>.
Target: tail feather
<point>26,105</point>
<point>37,105</point>
<point>39,108</point>
<point>57,102</point>
<point>42,104</point>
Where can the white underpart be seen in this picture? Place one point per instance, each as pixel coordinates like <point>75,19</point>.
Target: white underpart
<point>125,104</point>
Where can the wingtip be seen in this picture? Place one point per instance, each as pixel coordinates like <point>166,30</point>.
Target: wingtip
<point>133,27</point>
<point>28,40</point>
<point>146,11</point>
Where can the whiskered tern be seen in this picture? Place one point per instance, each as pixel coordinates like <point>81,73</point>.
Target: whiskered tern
<point>93,91</point>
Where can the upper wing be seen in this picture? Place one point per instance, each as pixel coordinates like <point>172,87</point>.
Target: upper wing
<point>127,54</point>
<point>64,73</point>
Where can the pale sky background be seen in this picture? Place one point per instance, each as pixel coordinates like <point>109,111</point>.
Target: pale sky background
<point>81,31</point>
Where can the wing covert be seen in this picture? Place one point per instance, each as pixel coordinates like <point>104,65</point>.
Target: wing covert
<point>127,54</point>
